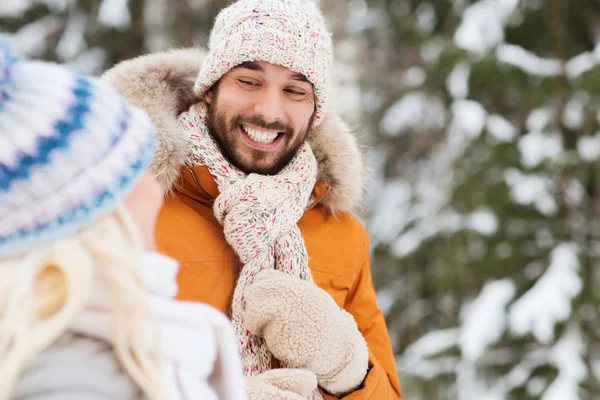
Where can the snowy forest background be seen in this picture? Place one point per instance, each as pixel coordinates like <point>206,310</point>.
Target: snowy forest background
<point>484,123</point>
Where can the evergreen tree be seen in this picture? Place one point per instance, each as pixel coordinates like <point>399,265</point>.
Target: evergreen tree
<point>485,225</point>
<point>92,35</point>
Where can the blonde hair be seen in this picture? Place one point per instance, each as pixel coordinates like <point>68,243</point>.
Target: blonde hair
<point>42,291</point>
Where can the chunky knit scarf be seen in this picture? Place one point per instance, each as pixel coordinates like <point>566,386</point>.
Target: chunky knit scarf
<point>259,215</point>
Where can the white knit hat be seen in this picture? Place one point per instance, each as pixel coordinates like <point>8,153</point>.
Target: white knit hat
<point>290,33</point>
<point>71,148</point>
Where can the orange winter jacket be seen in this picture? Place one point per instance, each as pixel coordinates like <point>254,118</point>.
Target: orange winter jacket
<point>187,230</point>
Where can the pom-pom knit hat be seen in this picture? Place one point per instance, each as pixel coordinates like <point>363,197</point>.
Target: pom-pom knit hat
<point>71,148</point>
<point>290,33</point>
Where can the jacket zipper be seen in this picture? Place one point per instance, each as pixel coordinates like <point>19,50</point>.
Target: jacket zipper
<point>312,204</point>
<point>198,184</point>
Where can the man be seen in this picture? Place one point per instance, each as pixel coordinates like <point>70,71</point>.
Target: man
<point>260,183</point>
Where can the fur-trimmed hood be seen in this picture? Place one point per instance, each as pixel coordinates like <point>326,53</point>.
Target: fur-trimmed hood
<point>162,84</point>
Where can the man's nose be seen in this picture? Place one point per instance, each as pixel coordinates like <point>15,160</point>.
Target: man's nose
<point>269,105</point>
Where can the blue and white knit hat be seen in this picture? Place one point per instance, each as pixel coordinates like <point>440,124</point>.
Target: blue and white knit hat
<point>71,148</point>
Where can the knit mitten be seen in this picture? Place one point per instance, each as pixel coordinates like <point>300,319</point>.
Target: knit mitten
<point>281,384</point>
<point>304,327</point>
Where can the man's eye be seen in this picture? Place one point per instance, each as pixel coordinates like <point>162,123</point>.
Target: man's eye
<point>295,92</point>
<point>248,83</point>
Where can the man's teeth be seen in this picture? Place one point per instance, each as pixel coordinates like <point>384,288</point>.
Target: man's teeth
<point>260,136</point>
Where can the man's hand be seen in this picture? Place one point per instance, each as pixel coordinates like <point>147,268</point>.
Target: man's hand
<point>281,384</point>
<point>303,327</point>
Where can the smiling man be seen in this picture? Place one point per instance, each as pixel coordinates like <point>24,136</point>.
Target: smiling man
<point>260,182</point>
<point>260,114</point>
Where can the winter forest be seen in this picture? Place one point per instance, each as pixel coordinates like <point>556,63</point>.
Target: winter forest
<point>481,119</point>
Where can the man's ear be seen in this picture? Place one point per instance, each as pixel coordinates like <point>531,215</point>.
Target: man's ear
<point>208,95</point>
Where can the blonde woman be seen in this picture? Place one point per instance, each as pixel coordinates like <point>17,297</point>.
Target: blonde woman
<point>86,304</point>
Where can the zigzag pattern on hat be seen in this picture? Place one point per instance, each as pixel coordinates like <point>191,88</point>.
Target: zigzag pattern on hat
<point>72,122</point>
<point>72,149</point>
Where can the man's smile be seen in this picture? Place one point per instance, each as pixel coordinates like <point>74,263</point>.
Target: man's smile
<point>261,139</point>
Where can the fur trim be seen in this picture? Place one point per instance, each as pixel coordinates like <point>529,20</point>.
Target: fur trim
<point>162,84</point>
<point>341,163</point>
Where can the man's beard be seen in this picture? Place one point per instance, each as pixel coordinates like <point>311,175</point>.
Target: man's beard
<point>227,137</point>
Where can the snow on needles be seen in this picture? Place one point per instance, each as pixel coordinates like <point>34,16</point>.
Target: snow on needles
<point>16,8</point>
<point>393,204</point>
<point>469,118</point>
<point>114,13</point>
<point>416,357</point>
<point>458,80</point>
<point>566,356</point>
<point>549,300</point>
<point>500,128</point>
<point>482,26</point>
<point>532,189</point>
<point>528,61</point>
<point>535,147</point>
<point>588,147</point>
<point>415,110</point>
<point>484,320</point>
